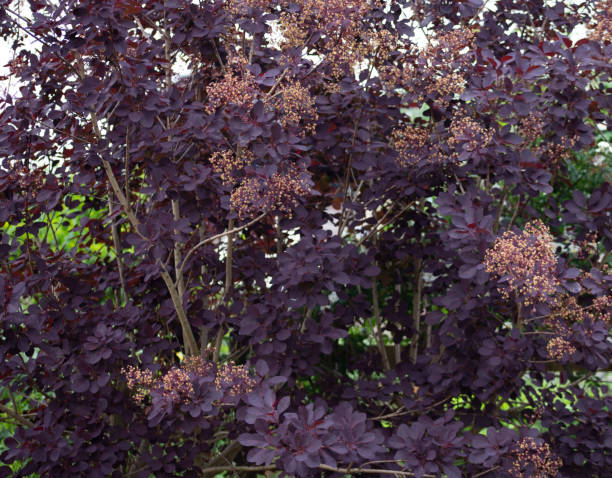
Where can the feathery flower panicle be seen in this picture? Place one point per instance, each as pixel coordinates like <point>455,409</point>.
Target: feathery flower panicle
<point>447,86</point>
<point>294,33</point>
<point>565,310</point>
<point>235,379</point>
<point>347,38</point>
<point>336,15</point>
<point>176,385</point>
<point>602,308</point>
<point>524,263</point>
<point>235,87</point>
<point>380,42</point>
<point>553,153</point>
<point>469,134</point>
<point>436,70</point>
<point>560,348</point>
<point>247,198</point>
<point>196,365</point>
<point>241,7</point>
<point>454,41</point>
<point>285,189</point>
<point>280,192</point>
<point>600,28</point>
<point>531,127</point>
<point>534,459</point>
<point>30,181</point>
<point>588,246</point>
<point>17,65</point>
<point>295,105</point>
<point>410,142</point>
<point>227,163</point>
<point>139,382</point>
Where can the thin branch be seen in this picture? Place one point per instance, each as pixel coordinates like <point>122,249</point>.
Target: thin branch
<point>347,174</point>
<point>50,225</point>
<point>116,244</point>
<point>217,55</point>
<point>280,78</point>
<point>229,254</point>
<point>219,469</point>
<point>179,280</point>
<point>579,379</point>
<point>218,236</point>
<point>191,346</point>
<point>381,220</point>
<point>500,209</point>
<point>371,470</point>
<point>416,309</point>
<point>127,163</point>
<point>514,214</point>
<point>17,416</point>
<point>482,473</point>
<point>400,411</point>
<point>378,332</point>
<point>35,36</point>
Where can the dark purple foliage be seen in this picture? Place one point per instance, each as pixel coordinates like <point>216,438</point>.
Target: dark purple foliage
<point>344,251</point>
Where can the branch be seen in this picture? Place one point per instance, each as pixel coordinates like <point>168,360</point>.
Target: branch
<point>381,222</point>
<point>346,176</point>
<point>219,469</point>
<point>107,167</point>
<point>518,203</point>
<point>218,236</point>
<point>34,35</point>
<point>378,325</point>
<point>482,473</point>
<point>191,346</point>
<point>400,411</point>
<point>371,470</point>
<point>179,281</point>
<point>117,245</point>
<point>16,416</point>
<point>416,309</point>
<point>229,253</point>
<point>500,209</point>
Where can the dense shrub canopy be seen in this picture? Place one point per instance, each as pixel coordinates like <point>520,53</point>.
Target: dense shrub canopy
<point>314,237</point>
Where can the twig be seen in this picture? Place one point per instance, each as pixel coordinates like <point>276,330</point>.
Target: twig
<point>401,412</point>
<point>378,325</point>
<point>371,470</point>
<point>518,203</point>
<point>116,244</point>
<point>228,285</point>
<point>416,309</point>
<point>500,209</point>
<point>347,174</point>
<point>280,78</point>
<point>219,469</point>
<point>191,346</point>
<point>217,54</point>
<point>579,379</point>
<point>127,162</point>
<point>378,224</point>
<point>482,473</point>
<point>16,416</point>
<point>218,236</point>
